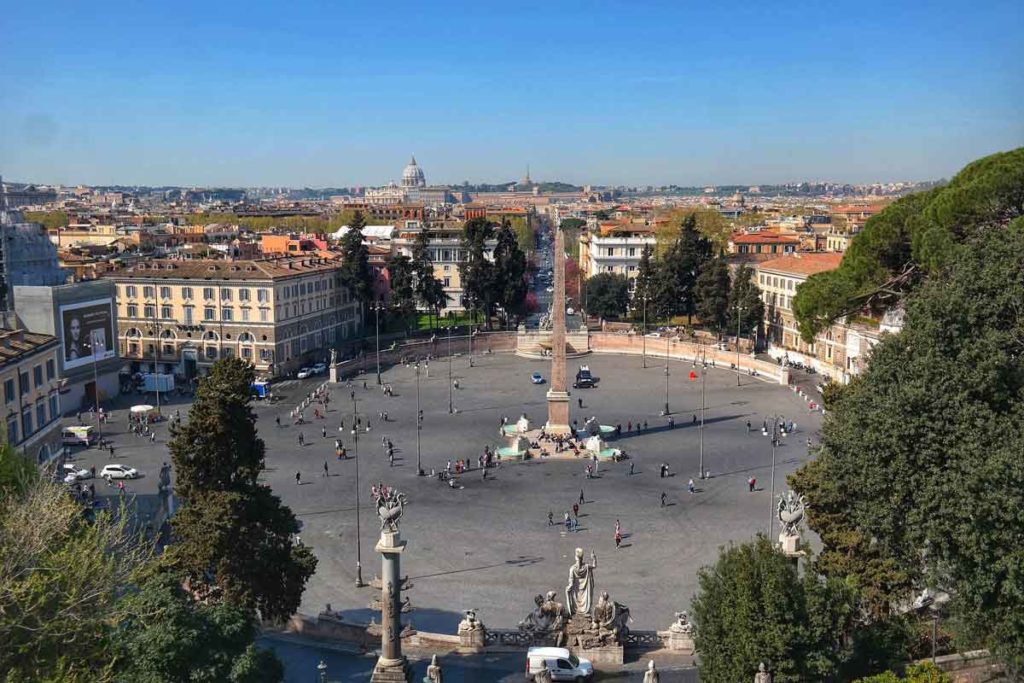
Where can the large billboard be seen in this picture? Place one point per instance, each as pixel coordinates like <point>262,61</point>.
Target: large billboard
<point>87,330</point>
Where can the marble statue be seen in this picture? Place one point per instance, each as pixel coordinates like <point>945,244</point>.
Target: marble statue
<point>579,594</point>
<point>791,512</point>
<point>546,620</point>
<point>682,624</point>
<point>334,357</point>
<point>611,619</point>
<point>469,621</point>
<point>434,673</point>
<point>762,675</point>
<point>592,426</point>
<point>651,675</point>
<point>390,506</point>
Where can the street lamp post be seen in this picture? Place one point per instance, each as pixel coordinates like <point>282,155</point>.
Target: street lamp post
<point>376,320</point>
<point>667,342</point>
<point>451,404</point>
<point>419,422</point>
<point>359,537</point>
<point>96,386</point>
<point>645,333</point>
<point>739,317</point>
<point>771,501</point>
<point>703,405</point>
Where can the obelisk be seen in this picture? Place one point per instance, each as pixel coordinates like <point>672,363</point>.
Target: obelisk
<point>558,397</point>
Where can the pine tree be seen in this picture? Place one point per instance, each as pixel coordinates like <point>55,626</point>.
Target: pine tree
<point>401,278</point>
<point>510,272</point>
<point>746,294</point>
<point>712,295</point>
<point>477,271</point>
<point>643,290</point>
<point>355,264</point>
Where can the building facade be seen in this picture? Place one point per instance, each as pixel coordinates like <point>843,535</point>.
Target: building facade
<point>615,248</point>
<point>180,317</point>
<point>31,396</point>
<point>446,253</point>
<point>778,280</point>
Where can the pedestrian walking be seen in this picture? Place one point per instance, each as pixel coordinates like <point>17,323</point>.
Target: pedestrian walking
<point>748,426</point>
<point>575,509</point>
<point>323,430</point>
<point>298,477</point>
<point>152,437</point>
<point>581,497</point>
<point>632,467</point>
<point>645,425</point>
<point>277,419</point>
<point>551,518</point>
<point>751,483</point>
<point>568,521</point>
<point>694,419</point>
<point>690,486</point>
<point>662,499</point>
<point>302,441</point>
<point>580,402</point>
<point>618,538</point>
<point>326,474</point>
<point>629,426</point>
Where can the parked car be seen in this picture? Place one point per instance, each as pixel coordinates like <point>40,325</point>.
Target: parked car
<point>119,472</point>
<point>73,473</point>
<point>564,665</point>
<point>537,378</point>
<point>304,373</point>
<point>319,368</point>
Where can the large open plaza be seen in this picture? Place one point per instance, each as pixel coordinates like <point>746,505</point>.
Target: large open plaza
<point>487,544</point>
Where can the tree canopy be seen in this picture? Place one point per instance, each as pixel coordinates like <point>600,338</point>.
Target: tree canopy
<point>607,295</point>
<point>355,260</point>
<point>509,273</point>
<point>711,295</point>
<point>918,479</point>
<point>476,270</point>
<point>913,237</point>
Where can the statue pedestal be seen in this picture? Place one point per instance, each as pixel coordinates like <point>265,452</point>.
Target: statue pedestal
<point>679,642</point>
<point>334,375</point>
<point>790,545</point>
<point>603,655</point>
<point>558,413</point>
<point>392,671</point>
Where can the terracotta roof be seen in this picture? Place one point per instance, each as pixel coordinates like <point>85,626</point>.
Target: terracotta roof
<point>17,343</point>
<point>805,264</point>
<point>216,269</point>
<point>763,237</point>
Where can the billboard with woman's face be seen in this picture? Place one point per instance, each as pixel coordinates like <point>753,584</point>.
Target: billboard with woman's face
<point>87,330</point>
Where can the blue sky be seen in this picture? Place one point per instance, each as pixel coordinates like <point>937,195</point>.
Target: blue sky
<point>331,93</point>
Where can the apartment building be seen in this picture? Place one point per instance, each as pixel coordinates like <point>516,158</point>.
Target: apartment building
<point>180,317</point>
<point>31,392</point>
<point>615,248</point>
<point>445,248</point>
<point>778,280</point>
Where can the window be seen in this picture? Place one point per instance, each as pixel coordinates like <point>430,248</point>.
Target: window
<point>8,390</point>
<point>264,314</point>
<point>37,375</point>
<point>208,293</point>
<point>262,295</point>
<point>447,282</point>
<point>225,294</point>
<point>245,315</point>
<point>12,429</point>
<point>247,352</point>
<point>149,310</point>
<point>149,291</point>
<point>227,353</point>
<point>447,268</point>
<point>169,349</point>
<point>165,312</point>
<point>243,295</point>
<point>446,255</point>
<point>133,349</point>
<point>54,406</point>
<point>40,413</point>
<point>26,422</point>
<point>188,314</point>
<point>225,314</point>
<point>209,313</point>
<point>133,311</point>
<point>165,292</point>
<point>611,251</point>
<point>632,251</point>
<point>130,290</point>
<point>23,385</point>
<point>266,355</point>
<point>51,369</point>
<point>211,352</point>
<point>186,292</point>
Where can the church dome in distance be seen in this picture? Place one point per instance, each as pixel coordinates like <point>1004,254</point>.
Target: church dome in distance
<point>413,176</point>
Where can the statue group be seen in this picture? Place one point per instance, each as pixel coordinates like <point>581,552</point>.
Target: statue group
<point>581,621</point>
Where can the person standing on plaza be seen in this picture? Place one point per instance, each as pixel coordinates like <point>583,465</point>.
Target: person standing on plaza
<point>751,483</point>
<point>618,536</point>
<point>326,474</point>
<point>632,468</point>
<point>575,509</point>
<point>323,431</point>
<point>568,520</point>
<point>302,441</point>
<point>581,497</point>
<point>298,477</point>
<point>663,499</point>
<point>691,487</point>
<point>551,518</point>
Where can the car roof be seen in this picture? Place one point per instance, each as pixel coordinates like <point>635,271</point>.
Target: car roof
<point>548,652</point>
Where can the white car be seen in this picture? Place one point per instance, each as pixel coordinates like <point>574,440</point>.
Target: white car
<point>119,472</point>
<point>563,665</point>
<point>319,368</point>
<point>73,474</point>
<point>304,373</point>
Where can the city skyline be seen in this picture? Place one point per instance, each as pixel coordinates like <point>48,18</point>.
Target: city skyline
<point>245,96</point>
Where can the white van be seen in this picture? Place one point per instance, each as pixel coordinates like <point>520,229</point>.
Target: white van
<point>564,665</point>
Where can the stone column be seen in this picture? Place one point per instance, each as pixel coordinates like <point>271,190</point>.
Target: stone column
<point>558,397</point>
<point>392,666</point>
